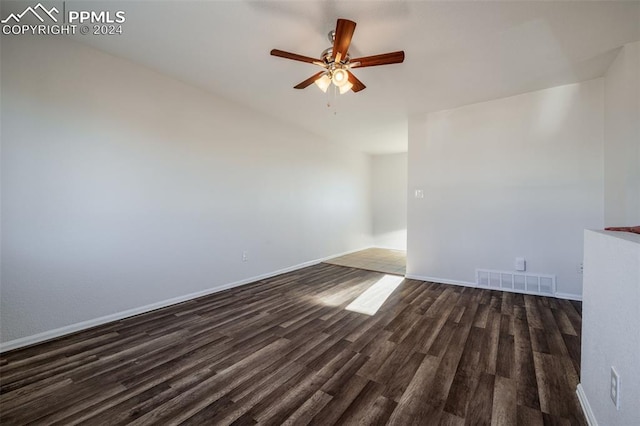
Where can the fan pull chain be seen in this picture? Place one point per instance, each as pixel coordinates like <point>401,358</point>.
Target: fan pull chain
<point>332,95</point>
<point>329,96</point>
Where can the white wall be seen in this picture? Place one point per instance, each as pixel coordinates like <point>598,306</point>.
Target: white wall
<point>611,303</point>
<point>610,333</point>
<point>122,187</point>
<point>389,200</point>
<point>622,138</point>
<point>518,176</point>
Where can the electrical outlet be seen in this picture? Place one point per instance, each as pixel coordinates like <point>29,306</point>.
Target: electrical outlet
<point>615,388</point>
<point>245,256</point>
<point>580,268</point>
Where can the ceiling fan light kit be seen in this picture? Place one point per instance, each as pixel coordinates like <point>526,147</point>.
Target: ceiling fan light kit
<point>337,63</point>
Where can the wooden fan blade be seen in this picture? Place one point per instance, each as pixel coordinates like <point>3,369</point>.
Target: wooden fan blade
<point>344,32</point>
<point>294,56</point>
<point>382,59</point>
<point>357,84</point>
<point>308,81</point>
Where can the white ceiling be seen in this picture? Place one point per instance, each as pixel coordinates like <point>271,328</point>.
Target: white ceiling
<point>457,53</point>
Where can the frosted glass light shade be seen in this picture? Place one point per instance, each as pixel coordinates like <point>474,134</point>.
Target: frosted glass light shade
<point>323,82</point>
<point>345,87</point>
<point>340,77</point>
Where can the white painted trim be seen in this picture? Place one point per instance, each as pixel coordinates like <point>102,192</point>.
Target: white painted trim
<point>343,254</point>
<point>441,280</point>
<point>72,328</point>
<point>388,248</point>
<point>569,296</point>
<point>586,408</point>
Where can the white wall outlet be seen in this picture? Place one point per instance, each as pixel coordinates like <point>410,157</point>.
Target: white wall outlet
<point>615,388</point>
<point>419,193</point>
<point>521,264</point>
<point>580,268</point>
<point>245,256</point>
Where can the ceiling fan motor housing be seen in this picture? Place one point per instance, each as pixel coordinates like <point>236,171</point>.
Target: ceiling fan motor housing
<point>327,57</point>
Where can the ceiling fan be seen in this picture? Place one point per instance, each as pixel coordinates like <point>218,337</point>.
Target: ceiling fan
<point>337,63</point>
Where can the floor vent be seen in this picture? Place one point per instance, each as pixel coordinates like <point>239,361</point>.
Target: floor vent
<point>519,282</point>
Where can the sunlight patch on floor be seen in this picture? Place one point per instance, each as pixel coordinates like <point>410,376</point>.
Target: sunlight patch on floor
<point>335,298</point>
<point>372,299</point>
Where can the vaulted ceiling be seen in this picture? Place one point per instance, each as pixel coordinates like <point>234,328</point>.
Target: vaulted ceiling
<point>457,53</point>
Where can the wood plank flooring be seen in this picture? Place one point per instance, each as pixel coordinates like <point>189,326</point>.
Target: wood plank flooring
<point>375,259</point>
<point>285,351</point>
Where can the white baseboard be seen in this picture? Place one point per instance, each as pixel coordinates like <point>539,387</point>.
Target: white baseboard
<point>382,246</point>
<point>441,280</point>
<point>586,408</point>
<point>567,296</point>
<point>343,253</point>
<point>83,325</point>
<point>73,328</point>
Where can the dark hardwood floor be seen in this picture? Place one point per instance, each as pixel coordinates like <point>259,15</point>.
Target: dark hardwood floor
<point>285,351</point>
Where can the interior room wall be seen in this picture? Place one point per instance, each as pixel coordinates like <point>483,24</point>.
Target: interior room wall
<point>515,177</point>
<point>389,200</point>
<point>610,336</point>
<point>622,138</point>
<point>612,259</point>
<point>123,188</point>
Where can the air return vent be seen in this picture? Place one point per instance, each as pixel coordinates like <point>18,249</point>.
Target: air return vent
<point>519,282</point>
